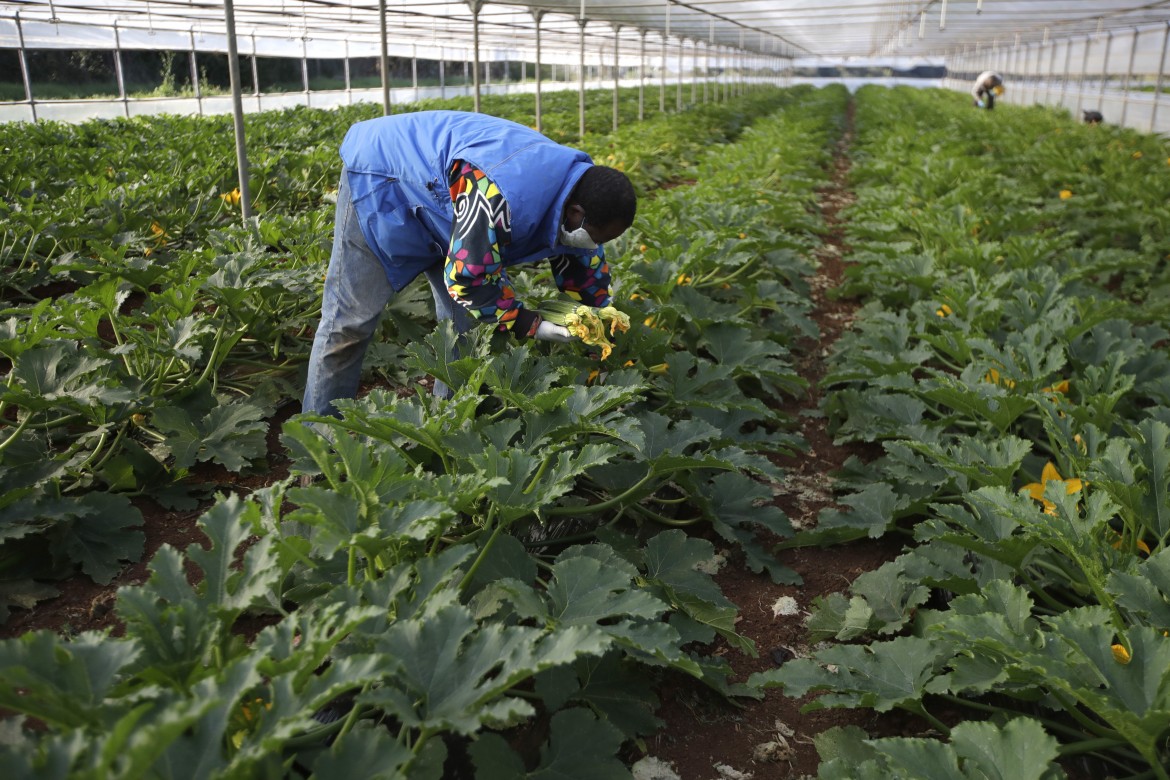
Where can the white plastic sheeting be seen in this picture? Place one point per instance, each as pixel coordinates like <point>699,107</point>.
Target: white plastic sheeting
<point>831,29</point>
<point>1108,54</point>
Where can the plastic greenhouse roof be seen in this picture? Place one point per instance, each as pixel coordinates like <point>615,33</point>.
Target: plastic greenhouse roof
<point>836,30</point>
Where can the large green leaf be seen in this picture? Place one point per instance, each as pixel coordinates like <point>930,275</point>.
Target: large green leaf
<point>456,675</point>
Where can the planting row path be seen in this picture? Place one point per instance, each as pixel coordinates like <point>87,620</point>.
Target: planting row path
<point>767,733</point>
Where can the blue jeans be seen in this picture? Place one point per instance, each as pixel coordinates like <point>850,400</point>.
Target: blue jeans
<point>356,293</point>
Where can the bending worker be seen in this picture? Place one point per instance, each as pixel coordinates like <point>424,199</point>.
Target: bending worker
<point>459,198</point>
<point>987,87</point>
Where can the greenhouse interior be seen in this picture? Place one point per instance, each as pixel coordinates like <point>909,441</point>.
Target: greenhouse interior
<point>788,396</point>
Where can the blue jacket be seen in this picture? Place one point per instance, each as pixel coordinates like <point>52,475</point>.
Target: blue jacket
<point>398,166</point>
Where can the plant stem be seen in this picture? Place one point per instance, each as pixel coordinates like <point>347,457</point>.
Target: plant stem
<point>482,553</point>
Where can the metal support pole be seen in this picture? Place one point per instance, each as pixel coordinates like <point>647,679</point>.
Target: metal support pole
<point>442,76</point>
<point>678,103</point>
<point>237,109</point>
<point>24,74</point>
<point>475,6</point>
<point>694,73</point>
<point>1161,75</point>
<point>348,78</point>
<point>662,79</point>
<point>118,72</point>
<point>617,29</point>
<point>707,50</point>
<point>414,69</point>
<point>537,16</point>
<point>1128,76</point>
<point>384,58</point>
<point>581,73</point>
<point>305,68</point>
<point>1051,71</point>
<point>1104,69</point>
<point>1064,79</point>
<point>195,73</point>
<point>256,73</point>
<point>1081,75</point>
<point>662,74</point>
<point>642,78</point>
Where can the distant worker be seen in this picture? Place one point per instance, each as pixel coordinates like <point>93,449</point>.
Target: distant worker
<point>458,198</point>
<point>987,87</point>
<point>1093,117</point>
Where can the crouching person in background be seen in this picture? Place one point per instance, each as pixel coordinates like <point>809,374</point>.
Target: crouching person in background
<point>988,86</point>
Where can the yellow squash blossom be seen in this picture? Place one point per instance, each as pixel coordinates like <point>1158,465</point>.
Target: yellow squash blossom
<point>1059,387</point>
<point>1065,194</point>
<point>994,378</point>
<point>232,198</point>
<point>944,311</point>
<point>1141,545</point>
<point>1137,155</point>
<point>1120,654</point>
<point>1050,474</point>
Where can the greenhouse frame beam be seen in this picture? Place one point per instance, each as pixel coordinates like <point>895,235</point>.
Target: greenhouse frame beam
<point>237,111</point>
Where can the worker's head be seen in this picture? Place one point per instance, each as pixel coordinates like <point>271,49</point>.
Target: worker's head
<point>603,204</point>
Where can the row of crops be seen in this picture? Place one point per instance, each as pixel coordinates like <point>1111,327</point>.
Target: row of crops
<point>492,585</point>
<point>430,605</point>
<point>149,334</point>
<point>1010,367</point>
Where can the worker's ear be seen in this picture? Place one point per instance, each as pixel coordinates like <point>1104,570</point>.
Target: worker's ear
<point>574,214</point>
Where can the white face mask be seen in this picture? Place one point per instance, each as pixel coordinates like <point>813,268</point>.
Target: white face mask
<point>578,239</point>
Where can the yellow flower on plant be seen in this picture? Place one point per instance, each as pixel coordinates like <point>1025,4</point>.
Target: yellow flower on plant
<point>1065,194</point>
<point>1137,155</point>
<point>593,376</point>
<point>994,378</point>
<point>1141,545</point>
<point>683,279</point>
<point>1050,474</point>
<point>157,231</point>
<point>1120,654</point>
<point>944,311</point>
<point>743,235</point>
<point>232,198</point>
<point>661,368</point>
<point>1059,387</point>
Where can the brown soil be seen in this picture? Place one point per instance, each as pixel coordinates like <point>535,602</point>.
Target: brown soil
<point>701,729</point>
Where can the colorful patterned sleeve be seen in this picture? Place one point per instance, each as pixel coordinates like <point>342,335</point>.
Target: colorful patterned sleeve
<point>474,273</point>
<point>584,278</point>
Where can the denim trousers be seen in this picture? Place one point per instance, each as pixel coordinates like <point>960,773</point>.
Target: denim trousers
<point>355,296</point>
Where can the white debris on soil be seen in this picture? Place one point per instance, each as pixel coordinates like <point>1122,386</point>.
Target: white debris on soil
<point>651,768</point>
<point>712,565</point>
<point>729,773</point>
<point>785,606</point>
<point>778,748</point>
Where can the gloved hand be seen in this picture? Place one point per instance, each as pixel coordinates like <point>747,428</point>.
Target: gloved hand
<point>547,331</point>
